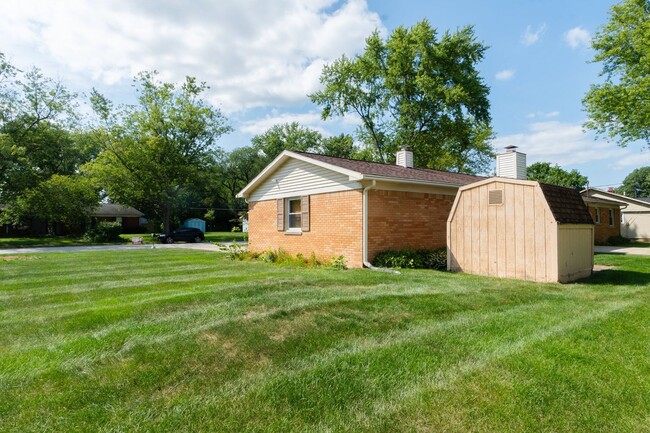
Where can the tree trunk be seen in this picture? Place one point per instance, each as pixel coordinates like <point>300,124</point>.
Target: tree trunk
<point>167,214</point>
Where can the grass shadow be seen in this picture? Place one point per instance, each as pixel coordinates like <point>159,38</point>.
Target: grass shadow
<point>617,277</point>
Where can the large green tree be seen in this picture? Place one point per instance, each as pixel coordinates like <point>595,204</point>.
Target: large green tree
<point>636,184</point>
<point>40,138</point>
<point>618,108</point>
<point>154,152</point>
<point>419,90</point>
<point>556,175</point>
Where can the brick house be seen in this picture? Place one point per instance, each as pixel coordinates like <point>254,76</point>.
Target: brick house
<point>606,215</point>
<point>128,216</point>
<point>633,218</point>
<point>304,203</point>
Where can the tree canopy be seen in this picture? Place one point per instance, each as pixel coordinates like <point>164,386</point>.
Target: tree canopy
<point>153,153</point>
<point>41,147</point>
<point>418,90</point>
<point>618,108</point>
<point>556,175</point>
<point>636,184</point>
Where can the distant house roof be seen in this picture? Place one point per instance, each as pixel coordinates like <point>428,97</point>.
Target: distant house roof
<point>107,210</point>
<point>364,170</point>
<point>604,201</point>
<point>641,201</point>
<point>566,204</point>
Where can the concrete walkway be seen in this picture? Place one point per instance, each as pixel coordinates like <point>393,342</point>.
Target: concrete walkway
<point>201,246</point>
<point>622,250</point>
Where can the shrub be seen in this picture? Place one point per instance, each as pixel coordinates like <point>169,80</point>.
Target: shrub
<point>412,259</point>
<point>283,258</point>
<point>105,232</point>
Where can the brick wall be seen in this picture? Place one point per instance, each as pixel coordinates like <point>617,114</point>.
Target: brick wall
<point>603,230</point>
<point>335,228</point>
<point>398,219</point>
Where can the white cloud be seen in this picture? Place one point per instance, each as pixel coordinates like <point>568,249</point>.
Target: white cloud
<point>578,37</point>
<point>560,143</point>
<point>258,126</point>
<point>542,114</point>
<point>633,160</point>
<point>506,74</point>
<point>251,52</point>
<point>531,36</point>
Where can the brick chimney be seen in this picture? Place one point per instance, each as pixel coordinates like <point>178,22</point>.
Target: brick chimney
<point>511,164</point>
<point>405,158</point>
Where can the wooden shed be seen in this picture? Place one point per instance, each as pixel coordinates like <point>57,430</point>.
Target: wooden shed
<point>521,229</point>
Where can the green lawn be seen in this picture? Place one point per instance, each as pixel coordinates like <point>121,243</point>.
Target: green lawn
<point>60,241</point>
<point>188,341</point>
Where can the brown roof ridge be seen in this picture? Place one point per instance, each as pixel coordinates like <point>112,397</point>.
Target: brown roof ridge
<point>385,165</point>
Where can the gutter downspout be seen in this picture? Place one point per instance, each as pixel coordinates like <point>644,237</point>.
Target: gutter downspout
<point>366,263</point>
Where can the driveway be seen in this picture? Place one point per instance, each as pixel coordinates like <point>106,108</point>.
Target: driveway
<point>200,246</point>
<point>622,250</point>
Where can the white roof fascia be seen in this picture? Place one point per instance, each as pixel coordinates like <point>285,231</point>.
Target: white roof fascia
<point>620,197</point>
<point>412,181</point>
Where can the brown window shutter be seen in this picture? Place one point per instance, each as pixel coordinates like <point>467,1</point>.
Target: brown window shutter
<point>304,210</point>
<point>280,214</point>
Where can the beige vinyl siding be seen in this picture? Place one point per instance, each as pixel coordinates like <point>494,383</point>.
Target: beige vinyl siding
<point>516,239</point>
<point>635,225</point>
<point>575,251</point>
<point>298,178</point>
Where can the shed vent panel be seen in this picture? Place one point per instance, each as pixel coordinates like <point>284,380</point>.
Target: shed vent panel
<point>495,196</point>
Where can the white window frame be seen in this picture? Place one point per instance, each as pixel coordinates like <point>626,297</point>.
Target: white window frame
<point>288,213</point>
<point>612,221</point>
<point>597,219</point>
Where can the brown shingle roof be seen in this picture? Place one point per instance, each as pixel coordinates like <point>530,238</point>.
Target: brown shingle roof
<point>566,205</point>
<point>115,210</point>
<point>396,171</point>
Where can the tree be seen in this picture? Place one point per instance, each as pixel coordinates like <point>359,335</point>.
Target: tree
<point>287,136</point>
<point>636,184</point>
<point>415,90</point>
<point>39,138</point>
<point>555,175</point>
<point>66,199</point>
<point>618,108</point>
<point>152,153</point>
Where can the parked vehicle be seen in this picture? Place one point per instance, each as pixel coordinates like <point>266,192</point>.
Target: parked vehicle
<point>187,234</point>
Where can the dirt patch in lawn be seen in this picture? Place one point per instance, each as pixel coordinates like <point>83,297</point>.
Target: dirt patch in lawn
<point>603,267</point>
<point>12,258</point>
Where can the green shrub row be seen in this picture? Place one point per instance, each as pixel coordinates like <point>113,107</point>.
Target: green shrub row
<point>105,232</point>
<point>412,259</point>
<point>281,257</point>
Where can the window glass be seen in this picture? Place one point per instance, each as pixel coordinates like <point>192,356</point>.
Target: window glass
<point>611,217</point>
<point>294,214</point>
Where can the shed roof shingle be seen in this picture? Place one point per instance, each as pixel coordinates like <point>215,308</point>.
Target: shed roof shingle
<point>566,204</point>
<point>396,171</point>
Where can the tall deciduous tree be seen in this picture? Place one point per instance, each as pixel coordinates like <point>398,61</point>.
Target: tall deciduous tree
<point>418,90</point>
<point>618,108</point>
<point>636,184</point>
<point>556,175</point>
<point>154,151</point>
<point>39,139</point>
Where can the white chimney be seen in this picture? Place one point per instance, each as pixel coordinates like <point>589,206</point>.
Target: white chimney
<point>405,158</point>
<point>511,164</point>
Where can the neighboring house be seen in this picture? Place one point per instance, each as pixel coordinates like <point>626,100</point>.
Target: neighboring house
<point>523,229</point>
<point>126,215</point>
<point>634,216</point>
<point>606,215</point>
<point>308,203</point>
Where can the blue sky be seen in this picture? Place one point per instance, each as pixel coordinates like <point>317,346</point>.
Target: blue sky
<point>261,58</point>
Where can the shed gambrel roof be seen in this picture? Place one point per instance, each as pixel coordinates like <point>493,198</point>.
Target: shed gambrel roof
<point>566,204</point>
<point>363,170</point>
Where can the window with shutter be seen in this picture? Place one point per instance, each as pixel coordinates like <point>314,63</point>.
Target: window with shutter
<point>294,214</point>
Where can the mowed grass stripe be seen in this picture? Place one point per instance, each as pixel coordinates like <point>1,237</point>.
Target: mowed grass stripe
<point>266,348</point>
